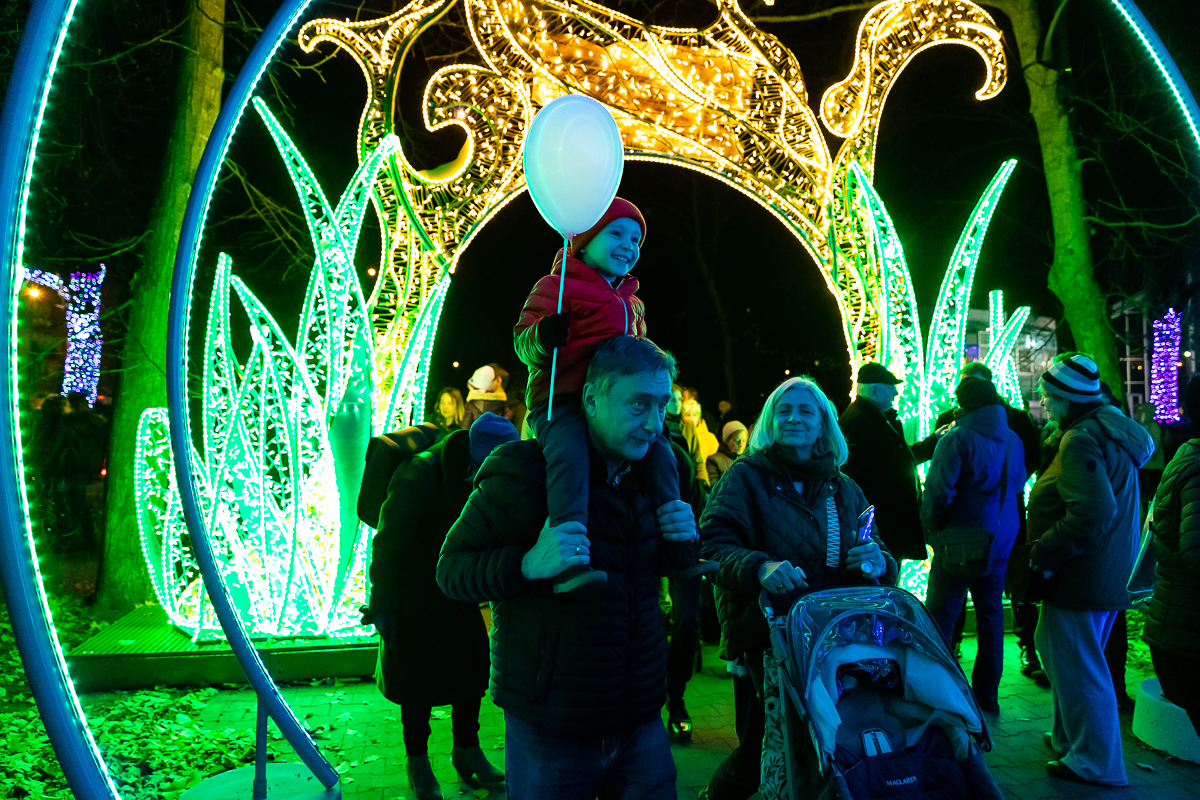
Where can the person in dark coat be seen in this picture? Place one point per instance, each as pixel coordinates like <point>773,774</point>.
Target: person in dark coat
<point>433,650</point>
<point>1084,518</point>
<point>768,523</point>
<point>1173,619</point>
<point>581,675</point>
<point>883,464</point>
<point>1024,614</point>
<point>977,465</point>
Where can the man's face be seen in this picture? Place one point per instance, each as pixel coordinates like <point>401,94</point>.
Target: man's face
<point>614,250</point>
<point>884,395</point>
<point>625,419</point>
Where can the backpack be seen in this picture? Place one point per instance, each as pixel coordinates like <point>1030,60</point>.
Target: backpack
<point>384,454</point>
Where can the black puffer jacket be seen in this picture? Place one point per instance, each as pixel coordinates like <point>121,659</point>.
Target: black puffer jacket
<point>584,664</point>
<point>755,515</point>
<point>1174,619</point>
<point>1084,511</point>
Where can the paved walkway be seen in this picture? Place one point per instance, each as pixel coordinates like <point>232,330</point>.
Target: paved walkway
<point>360,731</point>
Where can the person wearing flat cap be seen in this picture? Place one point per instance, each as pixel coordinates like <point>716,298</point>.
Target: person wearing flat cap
<point>882,462</point>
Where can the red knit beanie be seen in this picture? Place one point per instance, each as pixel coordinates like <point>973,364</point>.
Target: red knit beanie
<point>619,208</point>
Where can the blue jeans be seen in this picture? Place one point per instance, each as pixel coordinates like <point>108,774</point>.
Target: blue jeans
<point>634,765</point>
<point>945,600</point>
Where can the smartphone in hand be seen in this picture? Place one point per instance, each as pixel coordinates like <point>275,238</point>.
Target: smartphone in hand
<point>865,520</point>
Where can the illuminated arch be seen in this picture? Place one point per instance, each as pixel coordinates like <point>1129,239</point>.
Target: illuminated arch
<point>727,100</point>
<point>23,109</point>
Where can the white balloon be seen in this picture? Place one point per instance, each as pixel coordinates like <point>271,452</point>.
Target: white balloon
<point>573,162</point>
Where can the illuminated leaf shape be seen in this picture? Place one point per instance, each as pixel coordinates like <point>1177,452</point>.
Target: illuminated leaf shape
<point>948,331</point>
<point>220,367</point>
<point>174,573</point>
<point>279,508</point>
<point>1003,339</point>
<point>901,349</point>
<point>334,307</point>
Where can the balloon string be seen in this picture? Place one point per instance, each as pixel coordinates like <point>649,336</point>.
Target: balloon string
<point>562,281</point>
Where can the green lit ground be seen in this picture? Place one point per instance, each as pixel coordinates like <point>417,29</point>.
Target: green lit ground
<point>364,724</point>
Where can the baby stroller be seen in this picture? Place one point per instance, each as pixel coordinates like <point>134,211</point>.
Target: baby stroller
<point>864,700</point>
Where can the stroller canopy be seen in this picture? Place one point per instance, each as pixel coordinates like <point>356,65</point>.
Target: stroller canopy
<point>837,637</point>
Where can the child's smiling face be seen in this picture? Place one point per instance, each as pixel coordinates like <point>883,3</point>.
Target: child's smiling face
<point>614,250</point>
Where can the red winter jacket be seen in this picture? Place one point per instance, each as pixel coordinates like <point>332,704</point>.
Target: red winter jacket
<point>598,311</point>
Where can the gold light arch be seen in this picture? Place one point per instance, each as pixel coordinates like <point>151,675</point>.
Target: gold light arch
<point>727,100</point>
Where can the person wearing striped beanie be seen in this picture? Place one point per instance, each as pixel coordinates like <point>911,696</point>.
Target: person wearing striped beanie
<point>1075,378</point>
<point>1084,521</point>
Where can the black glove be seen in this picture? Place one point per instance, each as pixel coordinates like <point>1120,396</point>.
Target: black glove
<point>552,330</point>
<point>385,626</point>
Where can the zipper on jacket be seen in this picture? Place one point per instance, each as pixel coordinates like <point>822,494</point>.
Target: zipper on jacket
<point>625,308</point>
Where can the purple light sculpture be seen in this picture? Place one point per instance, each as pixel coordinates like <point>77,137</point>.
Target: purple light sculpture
<point>81,371</point>
<point>1164,367</point>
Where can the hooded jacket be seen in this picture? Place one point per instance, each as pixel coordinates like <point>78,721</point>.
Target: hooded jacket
<point>755,515</point>
<point>963,484</point>
<point>598,311</point>
<point>1173,621</point>
<point>1083,512</point>
<point>585,664</point>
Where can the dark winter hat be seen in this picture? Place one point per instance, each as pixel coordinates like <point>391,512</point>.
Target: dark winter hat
<point>973,393</point>
<point>976,369</point>
<point>1076,378</point>
<point>876,373</point>
<point>617,209</point>
<point>488,432</point>
<point>1191,404</point>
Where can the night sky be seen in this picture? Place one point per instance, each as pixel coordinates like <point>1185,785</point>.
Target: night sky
<point>938,148</point>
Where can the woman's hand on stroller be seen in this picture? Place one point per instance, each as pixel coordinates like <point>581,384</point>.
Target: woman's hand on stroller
<point>868,558</point>
<point>780,577</point>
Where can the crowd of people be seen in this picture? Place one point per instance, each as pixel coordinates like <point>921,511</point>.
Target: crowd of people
<point>589,517</point>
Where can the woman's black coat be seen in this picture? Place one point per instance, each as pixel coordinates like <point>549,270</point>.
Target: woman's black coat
<point>441,648</point>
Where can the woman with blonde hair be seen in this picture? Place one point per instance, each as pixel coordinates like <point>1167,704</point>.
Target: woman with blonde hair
<point>782,519</point>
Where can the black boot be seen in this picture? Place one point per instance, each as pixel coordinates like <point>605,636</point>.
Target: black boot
<point>472,763</point>
<point>422,779</point>
<point>1031,667</point>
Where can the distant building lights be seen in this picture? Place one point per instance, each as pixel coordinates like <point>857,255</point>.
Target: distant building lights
<point>1164,367</point>
<point>81,371</point>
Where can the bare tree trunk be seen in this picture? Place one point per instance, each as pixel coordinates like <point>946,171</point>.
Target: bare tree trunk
<point>709,273</point>
<point>124,581</point>
<point>1072,277</point>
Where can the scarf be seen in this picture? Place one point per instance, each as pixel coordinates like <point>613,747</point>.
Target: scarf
<point>812,472</point>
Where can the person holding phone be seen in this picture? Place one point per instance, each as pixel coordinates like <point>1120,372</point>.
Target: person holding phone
<point>783,519</point>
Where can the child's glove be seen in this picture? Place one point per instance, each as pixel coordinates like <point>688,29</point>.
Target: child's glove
<point>552,330</point>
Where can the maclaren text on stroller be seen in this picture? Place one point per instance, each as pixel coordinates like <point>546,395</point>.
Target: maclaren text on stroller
<point>888,711</point>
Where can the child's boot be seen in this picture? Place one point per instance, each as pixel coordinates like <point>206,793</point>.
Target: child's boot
<point>682,560</point>
<point>578,577</point>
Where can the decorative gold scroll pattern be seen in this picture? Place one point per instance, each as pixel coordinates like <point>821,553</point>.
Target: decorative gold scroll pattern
<point>728,100</point>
